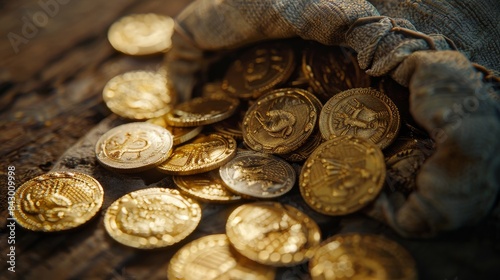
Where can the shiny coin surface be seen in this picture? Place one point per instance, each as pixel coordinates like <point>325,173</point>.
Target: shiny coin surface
<point>258,175</point>
<point>361,256</point>
<point>57,201</point>
<point>138,95</point>
<point>134,147</point>
<point>362,112</point>
<point>180,134</point>
<point>142,34</point>
<point>259,69</point>
<point>206,186</point>
<point>342,175</point>
<point>211,257</point>
<point>202,154</point>
<point>152,218</point>
<point>280,121</point>
<point>272,233</point>
<point>202,111</point>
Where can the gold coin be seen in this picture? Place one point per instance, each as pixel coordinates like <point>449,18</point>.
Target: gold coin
<point>362,112</point>
<point>272,233</point>
<point>138,95</point>
<point>202,111</point>
<point>152,218</point>
<point>142,34</point>
<point>211,257</point>
<point>202,154</point>
<point>134,147</point>
<point>180,134</point>
<point>231,126</point>
<point>259,69</point>
<point>280,121</point>
<point>304,151</point>
<point>342,175</point>
<point>57,201</point>
<point>206,186</point>
<point>258,175</point>
<point>361,256</point>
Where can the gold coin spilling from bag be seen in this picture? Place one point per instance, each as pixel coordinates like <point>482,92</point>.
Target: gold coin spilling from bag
<point>152,218</point>
<point>272,233</point>
<point>361,256</point>
<point>362,112</point>
<point>138,95</point>
<point>211,257</point>
<point>57,201</point>
<point>281,121</point>
<point>342,175</point>
<point>258,175</point>
<point>134,147</point>
<point>202,154</point>
<point>142,34</point>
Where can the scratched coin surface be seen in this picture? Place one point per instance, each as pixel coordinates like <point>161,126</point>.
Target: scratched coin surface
<point>258,175</point>
<point>206,186</point>
<point>142,34</point>
<point>342,175</point>
<point>362,112</point>
<point>138,95</point>
<point>259,69</point>
<point>280,121</point>
<point>202,110</point>
<point>57,201</point>
<point>202,154</point>
<point>361,256</point>
<point>211,257</point>
<point>272,233</point>
<point>152,218</point>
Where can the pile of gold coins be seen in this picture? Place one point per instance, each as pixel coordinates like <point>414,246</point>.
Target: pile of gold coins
<point>284,117</point>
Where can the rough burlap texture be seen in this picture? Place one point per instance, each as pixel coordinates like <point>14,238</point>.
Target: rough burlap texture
<point>450,98</point>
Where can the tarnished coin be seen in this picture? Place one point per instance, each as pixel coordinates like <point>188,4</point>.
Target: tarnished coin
<point>280,121</point>
<point>362,112</point>
<point>342,175</point>
<point>259,69</point>
<point>332,69</point>
<point>152,218</point>
<point>211,257</point>
<point>180,134</point>
<point>134,147</point>
<point>202,154</point>
<point>138,95</point>
<point>258,175</point>
<point>57,201</point>
<point>272,233</point>
<point>202,110</point>
<point>361,256</point>
<point>142,34</point>
<point>206,186</point>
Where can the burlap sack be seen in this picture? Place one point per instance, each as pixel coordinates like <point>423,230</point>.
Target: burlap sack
<point>441,50</point>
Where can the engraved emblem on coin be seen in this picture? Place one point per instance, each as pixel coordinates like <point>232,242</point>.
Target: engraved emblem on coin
<point>280,121</point>
<point>365,113</point>
<point>342,175</point>
<point>57,201</point>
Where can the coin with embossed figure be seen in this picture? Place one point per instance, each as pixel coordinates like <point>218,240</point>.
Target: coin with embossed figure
<point>134,147</point>
<point>202,154</point>
<point>206,186</point>
<point>211,257</point>
<point>362,112</point>
<point>361,256</point>
<point>258,175</point>
<point>280,121</point>
<point>57,201</point>
<point>138,95</point>
<point>259,69</point>
<point>142,34</point>
<point>202,110</point>
<point>342,175</point>
<point>152,218</point>
<point>272,233</point>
